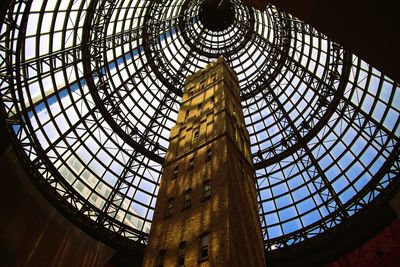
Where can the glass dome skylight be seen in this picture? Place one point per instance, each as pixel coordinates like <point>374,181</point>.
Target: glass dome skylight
<point>90,90</point>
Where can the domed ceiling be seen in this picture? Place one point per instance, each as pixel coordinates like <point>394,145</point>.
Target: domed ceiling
<point>90,90</point>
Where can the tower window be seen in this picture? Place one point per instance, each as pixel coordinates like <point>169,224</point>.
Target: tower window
<point>212,99</point>
<point>191,163</point>
<point>170,206</point>
<point>187,114</point>
<point>204,241</point>
<point>199,106</point>
<point>196,135</point>
<point>181,254</point>
<point>188,199</point>
<point>207,189</point>
<point>209,154</point>
<point>161,258</point>
<point>175,174</point>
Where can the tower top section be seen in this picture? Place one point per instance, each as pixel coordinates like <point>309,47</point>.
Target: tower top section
<point>202,79</point>
<point>207,71</point>
<point>210,108</point>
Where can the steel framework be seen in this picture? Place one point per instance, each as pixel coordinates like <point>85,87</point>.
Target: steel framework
<point>90,90</point>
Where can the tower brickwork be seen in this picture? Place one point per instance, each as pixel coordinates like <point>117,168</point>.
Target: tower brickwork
<point>206,213</point>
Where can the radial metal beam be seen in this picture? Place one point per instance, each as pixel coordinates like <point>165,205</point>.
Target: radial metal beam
<point>90,50</point>
<point>295,132</point>
<point>337,95</point>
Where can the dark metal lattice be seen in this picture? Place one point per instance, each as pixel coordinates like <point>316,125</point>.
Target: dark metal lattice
<point>90,90</point>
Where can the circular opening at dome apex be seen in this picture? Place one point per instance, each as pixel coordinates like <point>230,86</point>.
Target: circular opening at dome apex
<point>217,15</point>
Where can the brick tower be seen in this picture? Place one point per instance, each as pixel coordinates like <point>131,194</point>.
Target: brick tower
<point>206,212</point>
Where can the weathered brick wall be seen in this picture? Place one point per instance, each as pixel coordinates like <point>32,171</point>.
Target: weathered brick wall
<point>203,216</point>
<point>245,229</point>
